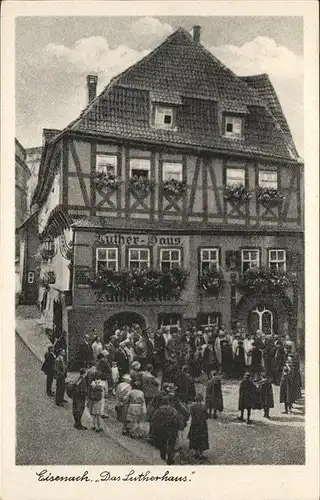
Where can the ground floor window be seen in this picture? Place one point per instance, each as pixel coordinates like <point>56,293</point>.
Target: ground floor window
<point>107,258</point>
<point>208,319</point>
<point>170,258</point>
<point>139,258</point>
<point>249,258</point>
<point>171,320</point>
<point>277,259</point>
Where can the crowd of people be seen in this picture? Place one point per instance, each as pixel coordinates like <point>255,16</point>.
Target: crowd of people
<point>155,377</point>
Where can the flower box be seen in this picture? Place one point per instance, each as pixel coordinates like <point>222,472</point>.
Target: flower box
<point>140,186</point>
<point>211,281</point>
<point>266,281</point>
<point>237,194</point>
<point>174,187</point>
<point>104,181</point>
<point>269,197</point>
<point>148,284</point>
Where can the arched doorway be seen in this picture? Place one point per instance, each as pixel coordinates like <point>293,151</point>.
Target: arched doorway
<point>120,319</point>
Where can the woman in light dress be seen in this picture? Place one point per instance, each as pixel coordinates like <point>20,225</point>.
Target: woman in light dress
<point>136,411</point>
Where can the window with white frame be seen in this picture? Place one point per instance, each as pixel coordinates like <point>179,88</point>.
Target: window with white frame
<point>211,319</point>
<point>30,277</point>
<point>249,259</point>
<point>172,171</point>
<point>236,177</point>
<point>170,258</point>
<point>107,258</point>
<point>233,126</point>
<point>173,321</point>
<point>139,258</point>
<point>268,179</point>
<point>209,259</point>
<point>107,163</point>
<point>140,168</point>
<point>277,259</point>
<point>163,117</point>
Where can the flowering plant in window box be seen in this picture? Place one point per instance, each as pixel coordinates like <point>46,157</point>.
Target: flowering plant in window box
<point>102,180</point>
<point>140,186</point>
<point>174,187</point>
<point>269,197</point>
<point>237,194</point>
<point>146,284</point>
<point>49,278</point>
<point>211,281</point>
<point>266,280</point>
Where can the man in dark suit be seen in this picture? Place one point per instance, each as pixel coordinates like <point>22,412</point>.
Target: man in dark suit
<point>48,368</point>
<point>122,359</point>
<point>60,371</point>
<point>86,352</point>
<point>79,399</point>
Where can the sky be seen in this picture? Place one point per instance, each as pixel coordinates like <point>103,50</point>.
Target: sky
<point>54,55</point>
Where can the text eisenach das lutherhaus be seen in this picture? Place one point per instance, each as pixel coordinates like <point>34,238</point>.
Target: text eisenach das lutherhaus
<point>106,475</point>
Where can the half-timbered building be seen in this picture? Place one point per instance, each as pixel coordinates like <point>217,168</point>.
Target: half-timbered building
<point>177,164</point>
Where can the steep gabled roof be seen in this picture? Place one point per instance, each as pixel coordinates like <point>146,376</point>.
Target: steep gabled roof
<point>264,88</point>
<point>181,72</point>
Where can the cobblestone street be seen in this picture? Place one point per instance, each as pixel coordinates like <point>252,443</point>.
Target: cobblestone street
<point>45,433</point>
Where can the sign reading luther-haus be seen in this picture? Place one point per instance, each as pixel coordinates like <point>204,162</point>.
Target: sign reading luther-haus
<point>151,239</point>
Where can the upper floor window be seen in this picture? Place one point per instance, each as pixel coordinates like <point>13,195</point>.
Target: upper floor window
<point>236,177</point>
<point>249,259</point>
<point>172,171</point>
<point>233,126</point>
<point>170,258</point>
<point>107,258</point>
<point>107,164</point>
<point>209,259</point>
<point>139,258</point>
<point>277,259</point>
<point>140,168</point>
<point>164,117</point>
<point>268,179</point>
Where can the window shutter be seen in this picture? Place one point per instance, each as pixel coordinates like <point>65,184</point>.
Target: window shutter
<point>237,126</point>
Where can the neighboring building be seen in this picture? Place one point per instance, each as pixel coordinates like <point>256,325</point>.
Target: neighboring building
<point>178,162</point>
<point>33,159</point>
<point>22,175</point>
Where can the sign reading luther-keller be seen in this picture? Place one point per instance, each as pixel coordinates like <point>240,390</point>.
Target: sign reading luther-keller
<point>150,239</point>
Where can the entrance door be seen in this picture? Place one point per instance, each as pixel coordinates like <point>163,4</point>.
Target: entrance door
<point>261,318</point>
<point>121,319</point>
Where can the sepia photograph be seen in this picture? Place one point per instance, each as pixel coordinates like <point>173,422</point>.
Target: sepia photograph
<point>159,240</point>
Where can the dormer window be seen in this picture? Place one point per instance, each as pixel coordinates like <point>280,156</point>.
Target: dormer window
<point>233,126</point>
<point>164,117</point>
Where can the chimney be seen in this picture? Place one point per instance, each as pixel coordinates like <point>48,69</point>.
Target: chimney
<point>92,81</point>
<point>196,33</point>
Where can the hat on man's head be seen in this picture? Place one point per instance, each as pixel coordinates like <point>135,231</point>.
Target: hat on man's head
<point>136,365</point>
<point>126,377</point>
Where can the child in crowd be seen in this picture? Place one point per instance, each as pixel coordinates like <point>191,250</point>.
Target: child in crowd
<point>115,376</point>
<point>95,402</point>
